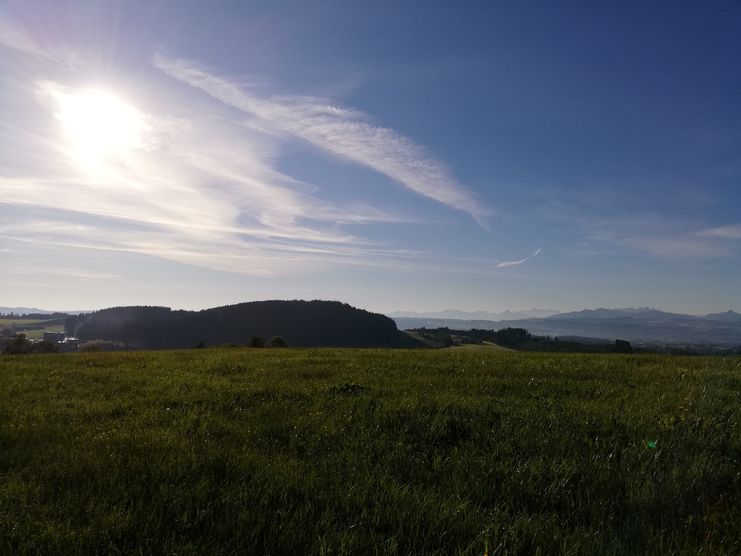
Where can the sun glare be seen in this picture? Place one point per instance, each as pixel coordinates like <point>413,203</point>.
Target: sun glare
<point>99,126</point>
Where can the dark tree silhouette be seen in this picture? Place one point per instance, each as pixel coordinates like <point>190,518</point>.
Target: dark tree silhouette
<point>257,342</point>
<point>623,346</point>
<point>277,342</point>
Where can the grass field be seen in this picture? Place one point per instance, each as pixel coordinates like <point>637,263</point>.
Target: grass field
<point>37,326</point>
<point>39,333</point>
<point>289,451</point>
<point>482,346</point>
<point>20,323</point>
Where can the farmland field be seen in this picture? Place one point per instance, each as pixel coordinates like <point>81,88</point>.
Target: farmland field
<point>20,323</point>
<point>34,328</point>
<point>294,451</point>
<point>39,333</point>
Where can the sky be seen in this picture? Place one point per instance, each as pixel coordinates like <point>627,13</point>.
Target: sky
<point>393,155</point>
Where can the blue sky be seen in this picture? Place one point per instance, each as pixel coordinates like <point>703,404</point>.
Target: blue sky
<point>394,155</point>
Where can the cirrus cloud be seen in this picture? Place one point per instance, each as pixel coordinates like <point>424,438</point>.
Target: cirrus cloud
<point>339,131</point>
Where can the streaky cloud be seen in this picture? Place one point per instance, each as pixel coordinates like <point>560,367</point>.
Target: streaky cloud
<point>509,264</point>
<point>20,39</point>
<point>204,189</point>
<point>205,192</point>
<point>342,132</point>
<point>732,231</point>
<point>651,234</point>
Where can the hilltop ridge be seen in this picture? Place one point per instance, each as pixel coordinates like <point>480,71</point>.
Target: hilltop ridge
<point>300,323</point>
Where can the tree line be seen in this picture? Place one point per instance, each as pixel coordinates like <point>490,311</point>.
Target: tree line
<point>517,338</point>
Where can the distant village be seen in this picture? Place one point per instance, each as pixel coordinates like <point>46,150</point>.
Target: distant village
<point>61,340</point>
<point>50,342</point>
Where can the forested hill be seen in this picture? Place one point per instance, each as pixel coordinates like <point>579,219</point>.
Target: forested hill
<point>299,323</point>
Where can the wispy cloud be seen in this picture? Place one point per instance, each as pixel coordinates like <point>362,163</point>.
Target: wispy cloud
<point>202,189</point>
<point>203,195</point>
<point>205,187</point>
<point>29,270</point>
<point>598,231</point>
<point>664,238</point>
<point>732,231</point>
<point>508,264</point>
<point>21,39</point>
<point>683,246</point>
<point>340,131</point>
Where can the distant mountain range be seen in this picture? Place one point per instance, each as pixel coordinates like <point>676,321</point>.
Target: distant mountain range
<point>35,311</point>
<point>641,325</point>
<point>475,315</point>
<point>24,311</point>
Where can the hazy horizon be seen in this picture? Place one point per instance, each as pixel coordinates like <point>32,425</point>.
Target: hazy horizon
<point>410,157</point>
<point>394,313</point>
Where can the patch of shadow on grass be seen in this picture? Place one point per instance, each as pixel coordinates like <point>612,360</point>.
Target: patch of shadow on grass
<point>349,389</point>
<point>432,426</point>
<point>6,442</point>
<point>96,361</point>
<point>314,375</point>
<point>226,368</point>
<point>258,397</point>
<point>119,411</point>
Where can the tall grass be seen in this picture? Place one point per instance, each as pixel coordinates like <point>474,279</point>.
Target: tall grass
<point>284,451</point>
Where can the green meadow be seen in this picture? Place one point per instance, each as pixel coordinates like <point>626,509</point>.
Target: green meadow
<point>329,451</point>
<point>33,328</point>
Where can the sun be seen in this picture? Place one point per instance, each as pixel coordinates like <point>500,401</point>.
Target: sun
<point>99,126</point>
